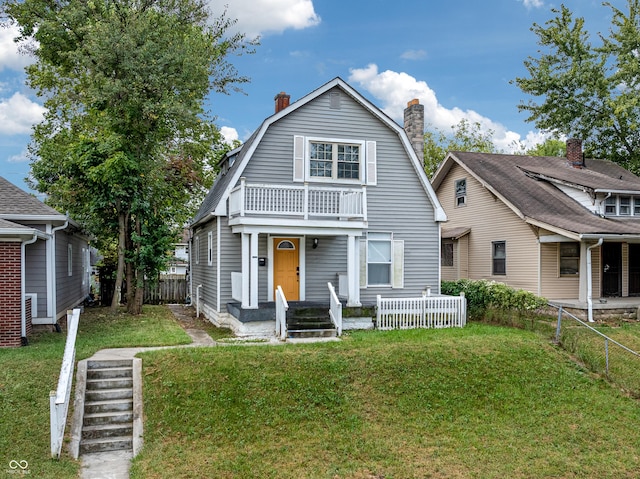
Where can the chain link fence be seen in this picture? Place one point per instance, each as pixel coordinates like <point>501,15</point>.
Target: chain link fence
<point>610,350</point>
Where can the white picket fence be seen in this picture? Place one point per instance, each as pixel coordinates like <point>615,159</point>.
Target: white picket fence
<point>424,312</point>
<point>59,399</point>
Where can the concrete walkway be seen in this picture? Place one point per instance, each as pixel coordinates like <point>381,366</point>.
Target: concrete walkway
<point>116,464</point>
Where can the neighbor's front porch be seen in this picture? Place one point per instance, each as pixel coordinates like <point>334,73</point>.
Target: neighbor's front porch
<point>603,308</point>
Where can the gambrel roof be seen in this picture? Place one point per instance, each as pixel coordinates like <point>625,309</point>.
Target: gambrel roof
<point>215,201</point>
<point>532,187</point>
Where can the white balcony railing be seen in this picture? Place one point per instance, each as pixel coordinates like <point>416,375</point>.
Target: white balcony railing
<point>300,201</point>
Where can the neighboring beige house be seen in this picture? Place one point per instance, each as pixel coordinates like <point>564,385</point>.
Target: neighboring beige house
<point>567,229</point>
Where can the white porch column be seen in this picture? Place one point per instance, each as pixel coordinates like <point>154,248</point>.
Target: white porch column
<point>584,272</point>
<point>353,271</point>
<point>253,301</point>
<point>246,256</point>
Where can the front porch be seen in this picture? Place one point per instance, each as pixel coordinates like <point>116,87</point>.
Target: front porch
<point>603,308</point>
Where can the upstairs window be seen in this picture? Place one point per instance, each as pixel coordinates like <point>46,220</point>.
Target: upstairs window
<point>336,161</point>
<point>499,257</point>
<point>461,192</point>
<point>622,205</point>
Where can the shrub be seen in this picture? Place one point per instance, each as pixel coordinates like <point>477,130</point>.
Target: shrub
<point>483,295</point>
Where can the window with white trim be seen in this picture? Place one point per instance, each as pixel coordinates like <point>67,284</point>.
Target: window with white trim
<point>622,205</point>
<point>499,253</point>
<point>569,259</point>
<point>335,161</point>
<point>461,192</point>
<point>379,256</point>
<point>197,248</point>
<point>210,248</point>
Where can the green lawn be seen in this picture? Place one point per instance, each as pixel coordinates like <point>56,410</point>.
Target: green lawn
<point>479,402</point>
<point>483,401</point>
<point>28,374</point>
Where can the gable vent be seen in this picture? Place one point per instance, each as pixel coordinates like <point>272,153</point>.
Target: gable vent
<point>334,100</point>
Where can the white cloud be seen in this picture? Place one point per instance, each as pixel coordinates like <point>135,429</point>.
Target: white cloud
<point>256,17</point>
<point>414,55</point>
<point>21,157</point>
<point>229,134</point>
<point>18,114</point>
<point>395,89</point>
<point>10,58</point>
<point>533,3</point>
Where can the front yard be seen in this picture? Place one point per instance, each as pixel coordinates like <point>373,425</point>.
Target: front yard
<point>479,402</point>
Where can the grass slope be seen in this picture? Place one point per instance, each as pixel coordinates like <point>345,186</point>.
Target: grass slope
<point>29,373</point>
<point>479,402</point>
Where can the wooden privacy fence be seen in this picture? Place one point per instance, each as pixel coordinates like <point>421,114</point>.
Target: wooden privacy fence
<point>166,290</point>
<point>423,312</point>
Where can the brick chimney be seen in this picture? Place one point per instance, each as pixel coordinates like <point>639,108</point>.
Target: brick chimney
<point>575,156</point>
<point>414,126</point>
<point>282,101</point>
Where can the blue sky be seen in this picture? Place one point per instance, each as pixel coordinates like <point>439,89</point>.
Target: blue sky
<point>457,57</point>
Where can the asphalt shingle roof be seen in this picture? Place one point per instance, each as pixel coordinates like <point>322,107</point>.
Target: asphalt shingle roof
<point>14,201</point>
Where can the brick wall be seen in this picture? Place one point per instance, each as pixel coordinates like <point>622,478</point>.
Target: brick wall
<point>10,295</point>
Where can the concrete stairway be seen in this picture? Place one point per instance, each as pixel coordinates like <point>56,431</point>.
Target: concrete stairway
<point>108,407</point>
<point>309,322</point>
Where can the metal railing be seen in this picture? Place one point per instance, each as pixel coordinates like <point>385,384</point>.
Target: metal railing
<point>600,352</point>
<point>59,399</point>
<point>300,201</point>
<point>424,312</point>
<point>335,309</point>
<point>281,314</point>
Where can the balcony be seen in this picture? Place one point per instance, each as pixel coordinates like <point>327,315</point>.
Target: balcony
<point>308,203</point>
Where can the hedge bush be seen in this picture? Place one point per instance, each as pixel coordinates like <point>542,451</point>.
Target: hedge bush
<point>483,295</point>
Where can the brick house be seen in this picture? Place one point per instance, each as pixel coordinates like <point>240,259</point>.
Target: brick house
<point>44,265</point>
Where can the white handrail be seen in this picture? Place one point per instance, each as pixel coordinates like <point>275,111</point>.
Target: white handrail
<point>59,399</point>
<point>281,314</point>
<point>335,310</point>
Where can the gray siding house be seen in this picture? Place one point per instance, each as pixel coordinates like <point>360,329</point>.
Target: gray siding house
<point>329,189</point>
<point>44,264</point>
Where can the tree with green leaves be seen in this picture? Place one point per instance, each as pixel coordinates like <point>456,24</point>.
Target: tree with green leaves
<point>466,136</point>
<point>126,142</point>
<point>588,91</point>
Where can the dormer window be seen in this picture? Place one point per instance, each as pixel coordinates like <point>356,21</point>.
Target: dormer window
<point>461,192</point>
<point>622,205</point>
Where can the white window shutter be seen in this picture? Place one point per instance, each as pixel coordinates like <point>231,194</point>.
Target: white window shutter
<point>363,263</point>
<point>397,281</point>
<point>372,173</point>
<point>298,158</point>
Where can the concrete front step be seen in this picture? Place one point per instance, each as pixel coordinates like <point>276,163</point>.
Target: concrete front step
<point>109,373</point>
<point>109,405</point>
<point>118,443</point>
<point>108,363</point>
<point>109,383</point>
<point>102,418</point>
<point>102,431</point>
<point>96,395</point>
<point>312,333</point>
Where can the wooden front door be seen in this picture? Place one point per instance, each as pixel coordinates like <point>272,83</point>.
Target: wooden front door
<point>286,267</point>
<point>611,269</point>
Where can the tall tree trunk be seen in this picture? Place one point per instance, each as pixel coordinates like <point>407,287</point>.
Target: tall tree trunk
<point>122,235</point>
<point>137,286</point>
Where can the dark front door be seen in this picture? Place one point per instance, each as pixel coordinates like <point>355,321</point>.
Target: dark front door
<point>634,269</point>
<point>611,269</point>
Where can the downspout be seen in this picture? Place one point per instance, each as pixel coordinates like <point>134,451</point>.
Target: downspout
<point>23,286</point>
<point>589,300</point>
<point>198,300</point>
<point>54,289</point>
